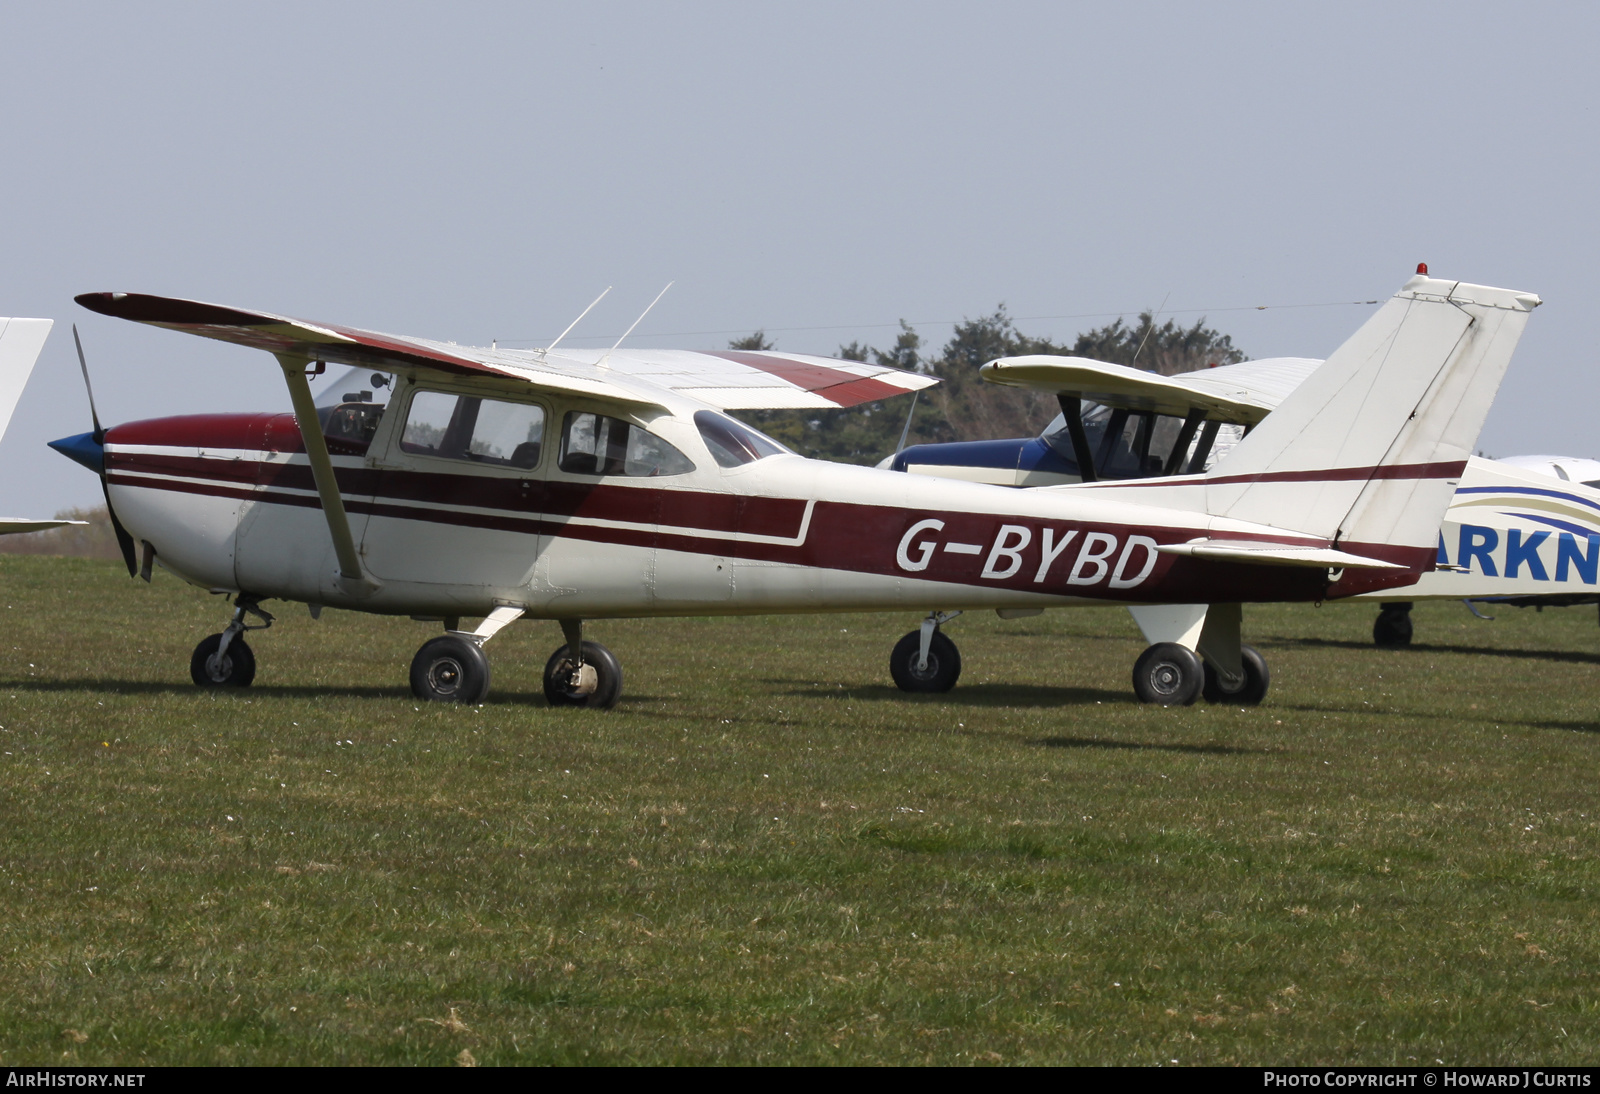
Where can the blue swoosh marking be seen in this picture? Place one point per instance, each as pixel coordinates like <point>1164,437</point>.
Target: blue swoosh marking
<point>1565,526</point>
<point>1536,491</point>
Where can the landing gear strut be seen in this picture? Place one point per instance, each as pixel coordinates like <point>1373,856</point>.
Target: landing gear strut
<point>925,660</point>
<point>224,660</point>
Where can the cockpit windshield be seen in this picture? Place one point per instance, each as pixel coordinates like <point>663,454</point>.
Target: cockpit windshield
<point>350,405</point>
<point>733,443</point>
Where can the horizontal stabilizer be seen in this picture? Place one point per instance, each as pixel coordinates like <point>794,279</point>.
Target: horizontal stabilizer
<point>1275,554</point>
<point>11,526</point>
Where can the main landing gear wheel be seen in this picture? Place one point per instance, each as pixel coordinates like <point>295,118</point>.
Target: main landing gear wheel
<point>234,669</point>
<point>596,683</point>
<point>450,670</point>
<point>1393,626</point>
<point>1247,692</point>
<point>1168,674</point>
<point>939,674</point>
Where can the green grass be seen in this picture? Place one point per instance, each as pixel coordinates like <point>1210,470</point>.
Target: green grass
<point>767,854</point>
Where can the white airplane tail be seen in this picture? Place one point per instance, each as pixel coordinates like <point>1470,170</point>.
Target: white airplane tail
<point>20,343</point>
<point>1370,449</point>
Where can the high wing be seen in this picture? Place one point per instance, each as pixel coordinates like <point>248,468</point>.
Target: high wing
<point>1240,394</point>
<point>730,380</point>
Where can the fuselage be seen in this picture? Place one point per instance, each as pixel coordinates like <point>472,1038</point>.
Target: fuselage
<point>1512,530</point>
<point>228,502</point>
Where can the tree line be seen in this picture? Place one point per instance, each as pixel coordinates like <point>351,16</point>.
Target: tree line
<point>962,407</point>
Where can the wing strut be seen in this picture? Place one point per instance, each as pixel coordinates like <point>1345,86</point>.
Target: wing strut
<point>353,579</point>
<point>1072,410</point>
<point>1180,447</point>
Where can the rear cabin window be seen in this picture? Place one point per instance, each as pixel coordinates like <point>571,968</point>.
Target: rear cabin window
<point>733,443</point>
<point>592,444</point>
<point>466,427</point>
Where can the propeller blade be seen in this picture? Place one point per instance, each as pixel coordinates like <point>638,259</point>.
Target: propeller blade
<point>124,540</point>
<point>83,363</point>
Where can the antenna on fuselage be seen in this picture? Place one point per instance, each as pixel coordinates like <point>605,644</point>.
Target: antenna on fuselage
<point>546,351</point>
<point>636,322</point>
<point>906,432</point>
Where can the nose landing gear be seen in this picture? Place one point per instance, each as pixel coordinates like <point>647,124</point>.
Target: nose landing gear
<point>925,660</point>
<point>224,660</point>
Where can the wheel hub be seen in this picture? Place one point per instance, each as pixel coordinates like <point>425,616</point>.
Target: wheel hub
<point>444,675</point>
<point>1166,678</point>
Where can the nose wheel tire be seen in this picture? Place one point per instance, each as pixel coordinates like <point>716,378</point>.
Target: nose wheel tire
<point>1168,674</point>
<point>450,670</point>
<point>1247,692</point>
<point>596,685</point>
<point>234,669</point>
<point>940,673</point>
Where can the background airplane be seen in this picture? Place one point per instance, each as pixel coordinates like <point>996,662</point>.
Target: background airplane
<point>582,485</point>
<point>1521,530</point>
<point>20,343</point>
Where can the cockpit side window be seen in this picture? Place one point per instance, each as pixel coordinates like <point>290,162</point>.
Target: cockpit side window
<point>732,443</point>
<point>466,427</point>
<point>350,408</point>
<point>593,444</point>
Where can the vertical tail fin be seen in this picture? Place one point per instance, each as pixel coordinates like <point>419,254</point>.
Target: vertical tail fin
<point>1370,449</point>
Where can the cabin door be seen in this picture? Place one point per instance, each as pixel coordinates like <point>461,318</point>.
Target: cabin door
<point>459,493</point>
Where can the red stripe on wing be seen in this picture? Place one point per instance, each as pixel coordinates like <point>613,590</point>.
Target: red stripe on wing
<point>832,384</point>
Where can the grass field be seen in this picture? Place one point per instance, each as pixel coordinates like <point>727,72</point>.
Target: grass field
<point>767,854</point>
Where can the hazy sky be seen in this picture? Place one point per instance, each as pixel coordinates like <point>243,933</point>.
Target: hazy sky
<point>480,171</point>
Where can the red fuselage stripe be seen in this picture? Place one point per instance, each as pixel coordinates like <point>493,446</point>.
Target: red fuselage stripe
<point>842,536</point>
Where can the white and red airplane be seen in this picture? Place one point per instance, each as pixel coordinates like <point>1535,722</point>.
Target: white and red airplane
<point>579,486</point>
